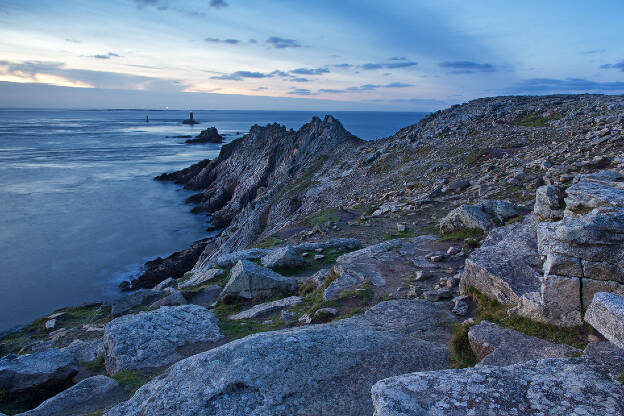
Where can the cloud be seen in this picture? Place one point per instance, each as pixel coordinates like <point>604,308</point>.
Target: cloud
<point>228,41</point>
<point>252,41</point>
<point>218,4</point>
<point>568,85</point>
<point>593,52</point>
<point>399,58</point>
<point>41,71</point>
<point>309,71</point>
<point>281,43</point>
<point>343,66</point>
<point>421,101</point>
<point>619,65</point>
<point>260,89</point>
<point>466,67</point>
<point>240,75</point>
<point>301,91</point>
<point>105,56</point>
<point>366,87</point>
<point>72,40</point>
<point>397,63</point>
<point>301,79</point>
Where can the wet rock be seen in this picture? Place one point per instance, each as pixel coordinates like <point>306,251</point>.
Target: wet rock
<point>323,369</point>
<point>155,339</point>
<point>93,394</point>
<point>606,314</point>
<point>209,135</point>
<point>494,345</point>
<point>554,387</point>
<point>248,280</point>
<point>268,308</point>
<point>483,216</point>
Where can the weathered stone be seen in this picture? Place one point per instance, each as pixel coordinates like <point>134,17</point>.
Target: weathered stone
<point>268,308</point>
<point>50,324</point>
<point>154,339</point>
<point>436,295</point>
<point>85,351</point>
<point>461,306</point>
<point>207,296</point>
<point>136,299</point>
<point>507,264</point>
<point>45,370</point>
<point>283,258</point>
<point>549,202</point>
<point>604,188</point>
<point>170,282</point>
<point>324,314</point>
<point>325,369</point>
<point>483,216</point>
<point>591,287</point>
<point>93,394</point>
<point>606,314</point>
<point>201,277</point>
<point>494,345</point>
<point>174,298</point>
<point>248,280</point>
<point>553,387</point>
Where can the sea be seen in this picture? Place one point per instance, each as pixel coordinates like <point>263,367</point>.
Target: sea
<point>80,211</point>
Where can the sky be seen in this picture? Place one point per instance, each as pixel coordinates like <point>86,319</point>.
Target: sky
<point>395,55</point>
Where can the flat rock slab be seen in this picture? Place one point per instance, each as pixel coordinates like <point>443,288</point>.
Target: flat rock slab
<point>606,314</point>
<point>494,345</point>
<point>325,369</point>
<point>507,265</point>
<point>155,339</point>
<point>551,387</point>
<point>141,297</point>
<point>200,278</point>
<point>93,394</point>
<point>33,371</point>
<point>248,280</point>
<point>385,265</point>
<point>268,308</point>
<point>283,258</point>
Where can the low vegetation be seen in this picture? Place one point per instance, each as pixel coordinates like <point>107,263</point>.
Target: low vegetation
<point>323,217</point>
<point>493,311</point>
<point>131,381</point>
<point>400,234</point>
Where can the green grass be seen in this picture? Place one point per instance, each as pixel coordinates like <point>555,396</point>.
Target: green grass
<point>534,121</point>
<point>96,366</point>
<point>474,233</point>
<point>327,215</point>
<point>239,328</point>
<point>621,378</point>
<point>400,234</point>
<point>131,381</point>
<point>311,265</point>
<point>491,310</point>
<point>512,220</point>
<point>270,242</point>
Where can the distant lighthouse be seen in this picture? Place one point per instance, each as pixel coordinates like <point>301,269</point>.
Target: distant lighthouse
<point>190,120</point>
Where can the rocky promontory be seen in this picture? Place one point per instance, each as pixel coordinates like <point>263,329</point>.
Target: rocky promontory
<point>470,264</point>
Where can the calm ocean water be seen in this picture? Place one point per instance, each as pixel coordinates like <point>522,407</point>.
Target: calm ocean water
<point>79,211</point>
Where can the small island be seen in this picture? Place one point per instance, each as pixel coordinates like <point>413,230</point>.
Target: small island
<point>210,135</point>
<point>190,120</point>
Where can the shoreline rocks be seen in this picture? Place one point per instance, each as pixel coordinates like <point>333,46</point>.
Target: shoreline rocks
<point>209,135</point>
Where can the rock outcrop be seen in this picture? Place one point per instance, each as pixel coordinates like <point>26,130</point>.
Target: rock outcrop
<point>606,314</point>
<point>249,281</point>
<point>267,308</point>
<point>323,369</point>
<point>482,216</point>
<point>209,135</point>
<point>147,341</point>
<point>91,395</point>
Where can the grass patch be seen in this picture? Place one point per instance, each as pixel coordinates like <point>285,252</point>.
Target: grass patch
<point>621,378</point>
<point>239,328</point>
<point>491,310</point>
<point>400,234</point>
<point>474,233</point>
<point>131,381</point>
<point>327,215</point>
<point>534,121</point>
<point>270,242</point>
<point>512,220</point>
<point>331,255</point>
<point>96,366</point>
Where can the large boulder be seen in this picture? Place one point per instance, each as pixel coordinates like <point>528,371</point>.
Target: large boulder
<point>283,258</point>
<point>141,297</point>
<point>91,395</point>
<point>248,280</point>
<point>148,341</point>
<point>268,308</point>
<point>494,345</point>
<point>325,369</point>
<point>605,188</point>
<point>606,314</point>
<point>483,216</point>
<point>201,278</point>
<point>43,370</point>
<point>554,387</point>
<point>507,265</point>
<point>549,202</point>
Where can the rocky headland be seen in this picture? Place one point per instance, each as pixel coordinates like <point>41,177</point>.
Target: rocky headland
<point>470,264</point>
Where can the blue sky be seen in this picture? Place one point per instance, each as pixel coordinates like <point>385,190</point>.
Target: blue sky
<point>391,55</point>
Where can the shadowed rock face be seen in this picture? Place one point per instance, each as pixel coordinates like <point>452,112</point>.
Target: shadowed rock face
<point>252,173</point>
<point>325,369</point>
